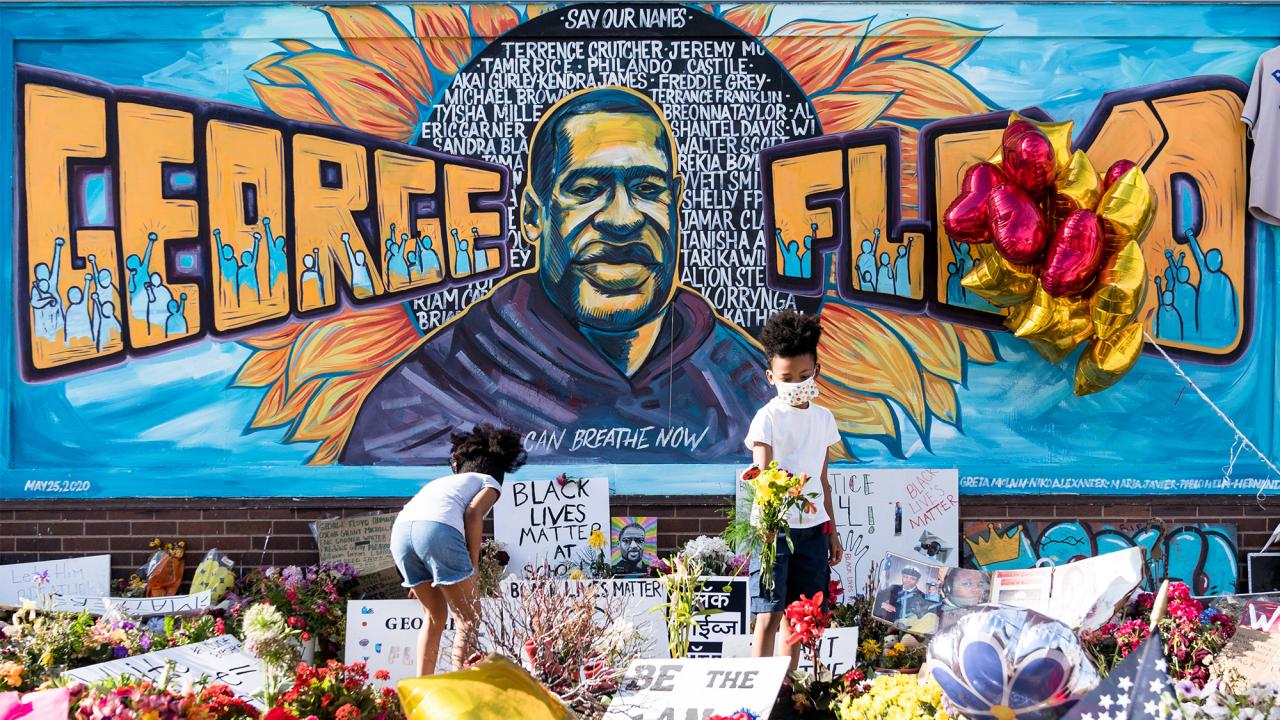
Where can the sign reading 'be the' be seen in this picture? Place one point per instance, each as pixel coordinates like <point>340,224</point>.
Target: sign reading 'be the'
<point>694,689</point>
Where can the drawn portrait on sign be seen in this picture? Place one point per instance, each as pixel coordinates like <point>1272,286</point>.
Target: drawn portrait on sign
<point>601,333</point>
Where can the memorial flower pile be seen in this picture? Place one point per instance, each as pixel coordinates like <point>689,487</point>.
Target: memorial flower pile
<point>770,494</point>
<point>1217,702</point>
<point>313,600</point>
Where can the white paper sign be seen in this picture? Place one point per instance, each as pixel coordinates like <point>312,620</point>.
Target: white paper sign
<point>679,689</point>
<point>837,650</point>
<point>219,660</point>
<point>136,607</point>
<point>542,521</point>
<point>913,513</point>
<point>383,634</point>
<point>84,576</point>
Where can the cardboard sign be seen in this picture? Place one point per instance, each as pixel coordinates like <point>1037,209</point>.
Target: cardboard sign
<point>136,607</point>
<point>83,576</point>
<point>543,521</point>
<point>383,634</point>
<point>1249,660</point>
<point>219,660</point>
<point>363,541</point>
<point>696,688</point>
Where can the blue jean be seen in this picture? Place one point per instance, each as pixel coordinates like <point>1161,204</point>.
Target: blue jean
<point>802,571</point>
<point>428,551</point>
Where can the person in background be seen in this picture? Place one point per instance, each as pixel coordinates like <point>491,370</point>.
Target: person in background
<point>436,538</point>
<point>797,433</point>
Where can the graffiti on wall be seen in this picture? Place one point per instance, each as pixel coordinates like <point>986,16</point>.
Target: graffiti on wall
<point>1201,556</point>
<point>573,220</point>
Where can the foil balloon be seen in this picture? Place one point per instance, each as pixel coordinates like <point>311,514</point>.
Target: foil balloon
<point>1053,326</point>
<point>1117,169</point>
<point>1005,663</point>
<point>1127,208</point>
<point>1075,254</point>
<point>999,281</point>
<point>966,216</point>
<point>493,689</point>
<point>1078,187</point>
<point>1017,226</point>
<point>1121,290</point>
<point>1106,360</point>
<point>1027,157</point>
<point>1059,134</point>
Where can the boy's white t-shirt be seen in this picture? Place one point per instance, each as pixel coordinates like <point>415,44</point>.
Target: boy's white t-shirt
<point>446,500</point>
<point>800,438</point>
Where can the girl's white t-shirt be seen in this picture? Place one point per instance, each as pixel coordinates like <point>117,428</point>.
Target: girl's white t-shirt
<point>446,500</point>
<point>800,438</point>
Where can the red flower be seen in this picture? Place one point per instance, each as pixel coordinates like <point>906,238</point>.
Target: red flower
<point>306,636</point>
<point>277,713</point>
<point>835,590</point>
<point>348,712</point>
<point>382,675</point>
<point>752,473</point>
<point>219,627</point>
<point>326,699</point>
<point>807,619</point>
<point>503,558</point>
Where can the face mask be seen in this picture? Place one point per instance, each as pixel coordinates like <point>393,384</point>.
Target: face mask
<point>797,393</point>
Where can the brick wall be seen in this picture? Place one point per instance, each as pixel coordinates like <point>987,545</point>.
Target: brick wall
<point>262,531</point>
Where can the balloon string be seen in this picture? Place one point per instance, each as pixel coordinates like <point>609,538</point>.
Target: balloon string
<point>1240,438</point>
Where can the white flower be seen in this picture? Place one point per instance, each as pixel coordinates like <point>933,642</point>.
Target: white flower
<point>709,553</point>
<point>617,637</point>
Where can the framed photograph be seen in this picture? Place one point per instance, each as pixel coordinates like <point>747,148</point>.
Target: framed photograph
<point>1264,572</point>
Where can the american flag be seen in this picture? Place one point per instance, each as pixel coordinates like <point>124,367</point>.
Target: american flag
<point>1133,689</point>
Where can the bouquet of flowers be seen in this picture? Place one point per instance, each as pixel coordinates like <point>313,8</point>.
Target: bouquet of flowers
<point>714,556</point>
<point>492,568</point>
<point>894,696</point>
<point>1193,635</point>
<point>771,495</point>
<point>337,692</point>
<point>312,598</point>
<point>37,644</point>
<point>128,698</point>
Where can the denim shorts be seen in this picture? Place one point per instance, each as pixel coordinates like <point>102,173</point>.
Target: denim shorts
<point>429,551</point>
<point>803,571</point>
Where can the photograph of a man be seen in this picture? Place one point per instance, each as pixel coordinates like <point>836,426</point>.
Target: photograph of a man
<point>600,334</point>
<point>904,602</point>
<point>634,543</point>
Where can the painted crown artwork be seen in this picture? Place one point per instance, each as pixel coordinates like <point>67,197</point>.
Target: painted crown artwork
<point>325,240</point>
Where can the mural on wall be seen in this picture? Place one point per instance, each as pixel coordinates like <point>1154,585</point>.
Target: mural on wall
<point>1201,556</point>
<point>364,226</point>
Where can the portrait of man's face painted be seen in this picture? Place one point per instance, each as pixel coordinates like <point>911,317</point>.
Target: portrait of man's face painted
<point>603,207</point>
<point>635,544</point>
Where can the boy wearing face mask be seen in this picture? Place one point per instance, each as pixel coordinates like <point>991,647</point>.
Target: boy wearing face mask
<point>796,432</point>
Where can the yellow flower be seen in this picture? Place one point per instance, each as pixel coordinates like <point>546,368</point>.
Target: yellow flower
<point>149,715</point>
<point>47,659</point>
<point>577,574</point>
<point>596,540</point>
<point>870,648</point>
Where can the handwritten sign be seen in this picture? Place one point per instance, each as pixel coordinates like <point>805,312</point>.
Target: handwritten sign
<point>837,651</point>
<point>364,541</point>
<point>696,688</point>
<point>83,576</point>
<point>1249,660</point>
<point>543,521</point>
<point>218,660</point>
<point>383,634</point>
<point>914,513</point>
<point>136,607</point>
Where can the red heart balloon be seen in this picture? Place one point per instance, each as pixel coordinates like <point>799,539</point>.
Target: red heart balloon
<point>1016,224</point>
<point>1118,168</point>
<point>966,216</point>
<point>1027,157</point>
<point>1075,255</point>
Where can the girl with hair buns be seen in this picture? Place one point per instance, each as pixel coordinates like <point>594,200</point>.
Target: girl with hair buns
<point>436,538</point>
